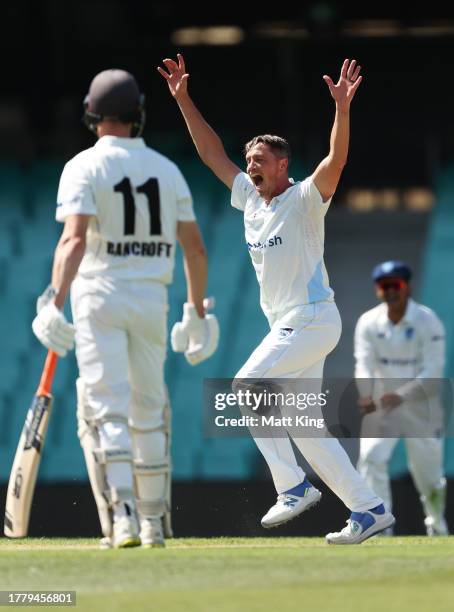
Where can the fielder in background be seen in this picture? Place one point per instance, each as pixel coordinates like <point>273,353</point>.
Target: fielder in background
<point>400,354</point>
<point>284,225</point>
<point>124,206</point>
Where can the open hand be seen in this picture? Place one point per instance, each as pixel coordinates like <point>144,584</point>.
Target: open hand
<point>176,77</point>
<point>343,91</point>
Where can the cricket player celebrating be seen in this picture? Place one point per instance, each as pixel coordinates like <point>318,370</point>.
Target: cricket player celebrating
<point>401,339</point>
<point>284,226</point>
<point>124,206</point>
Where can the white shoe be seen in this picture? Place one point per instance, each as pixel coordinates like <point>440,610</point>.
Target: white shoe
<point>436,527</point>
<point>290,504</point>
<point>362,525</point>
<point>386,533</point>
<point>125,532</point>
<point>434,505</point>
<point>105,543</point>
<point>151,533</point>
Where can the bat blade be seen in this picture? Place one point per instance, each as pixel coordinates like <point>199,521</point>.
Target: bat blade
<point>22,481</point>
<point>21,486</point>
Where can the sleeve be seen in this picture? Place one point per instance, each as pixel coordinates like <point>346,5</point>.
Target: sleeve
<point>310,198</point>
<point>365,358</point>
<point>242,188</point>
<point>427,381</point>
<point>185,210</point>
<point>75,191</point>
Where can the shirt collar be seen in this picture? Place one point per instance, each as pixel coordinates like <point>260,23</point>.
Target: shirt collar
<point>116,141</point>
<point>410,312</point>
<point>279,198</point>
<point>409,315</point>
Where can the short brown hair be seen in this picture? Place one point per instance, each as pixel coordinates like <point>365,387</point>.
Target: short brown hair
<point>278,145</point>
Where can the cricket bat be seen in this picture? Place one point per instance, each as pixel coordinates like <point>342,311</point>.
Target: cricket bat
<point>21,486</point>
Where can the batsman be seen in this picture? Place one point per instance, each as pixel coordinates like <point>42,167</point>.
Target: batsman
<point>124,206</point>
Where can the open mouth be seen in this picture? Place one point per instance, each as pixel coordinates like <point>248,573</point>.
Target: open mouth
<point>257,179</point>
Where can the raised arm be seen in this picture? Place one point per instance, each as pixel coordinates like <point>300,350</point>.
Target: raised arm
<point>208,144</point>
<point>327,175</point>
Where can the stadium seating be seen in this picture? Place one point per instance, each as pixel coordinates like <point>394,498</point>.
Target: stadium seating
<point>28,234</point>
<point>437,289</point>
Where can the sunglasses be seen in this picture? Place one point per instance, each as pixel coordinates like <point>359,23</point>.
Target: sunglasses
<point>397,284</point>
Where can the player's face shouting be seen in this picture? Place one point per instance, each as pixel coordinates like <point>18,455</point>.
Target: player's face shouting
<point>265,169</point>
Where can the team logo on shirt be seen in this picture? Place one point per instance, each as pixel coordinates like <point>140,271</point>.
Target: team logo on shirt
<point>285,331</point>
<point>409,332</point>
<point>397,361</point>
<point>261,246</point>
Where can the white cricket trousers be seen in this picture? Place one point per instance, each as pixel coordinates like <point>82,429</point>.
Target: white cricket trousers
<point>121,336</point>
<point>300,354</point>
<point>425,462</point>
<point>121,340</point>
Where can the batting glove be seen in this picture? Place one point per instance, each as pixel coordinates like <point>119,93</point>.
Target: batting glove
<point>198,338</point>
<point>52,329</point>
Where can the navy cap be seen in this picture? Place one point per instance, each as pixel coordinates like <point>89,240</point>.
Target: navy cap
<point>391,269</point>
<point>113,93</point>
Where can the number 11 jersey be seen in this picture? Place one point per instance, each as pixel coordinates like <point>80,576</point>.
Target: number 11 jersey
<point>135,197</point>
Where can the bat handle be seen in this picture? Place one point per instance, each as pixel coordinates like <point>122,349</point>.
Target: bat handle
<point>47,377</point>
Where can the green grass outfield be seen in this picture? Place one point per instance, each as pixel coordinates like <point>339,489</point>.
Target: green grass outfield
<point>247,574</point>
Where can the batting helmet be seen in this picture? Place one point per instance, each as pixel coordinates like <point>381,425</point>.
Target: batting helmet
<point>391,269</point>
<point>115,94</point>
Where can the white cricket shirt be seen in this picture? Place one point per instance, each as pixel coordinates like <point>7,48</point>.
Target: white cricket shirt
<point>285,239</point>
<point>135,196</point>
<point>413,349</point>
